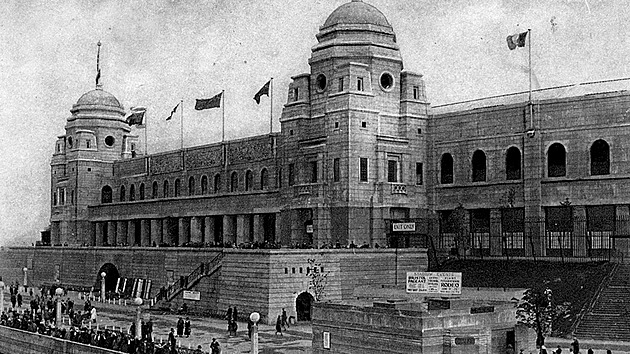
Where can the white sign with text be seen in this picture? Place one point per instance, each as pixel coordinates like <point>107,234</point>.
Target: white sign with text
<point>444,283</point>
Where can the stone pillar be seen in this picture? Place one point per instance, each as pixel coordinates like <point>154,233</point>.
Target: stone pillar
<point>184,230</point>
<point>166,236</point>
<point>196,229</point>
<point>242,229</point>
<point>496,237</point>
<point>145,232</point>
<point>156,231</point>
<point>259,230</point>
<point>111,233</point>
<point>622,228</point>
<point>121,230</point>
<point>579,231</point>
<point>98,239</point>
<point>283,228</point>
<point>131,233</point>
<point>209,227</point>
<point>228,229</point>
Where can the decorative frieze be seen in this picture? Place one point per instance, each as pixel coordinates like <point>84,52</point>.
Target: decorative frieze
<point>166,163</point>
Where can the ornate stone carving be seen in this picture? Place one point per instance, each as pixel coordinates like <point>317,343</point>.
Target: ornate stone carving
<point>166,163</point>
<point>204,157</point>
<point>249,150</point>
<point>130,167</point>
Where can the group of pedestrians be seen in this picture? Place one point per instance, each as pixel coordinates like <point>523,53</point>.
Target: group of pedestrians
<point>232,316</point>
<point>183,327</point>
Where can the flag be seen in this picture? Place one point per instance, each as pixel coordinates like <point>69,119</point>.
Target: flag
<point>137,116</point>
<point>98,77</point>
<point>516,40</point>
<point>263,91</point>
<point>213,102</point>
<point>173,112</point>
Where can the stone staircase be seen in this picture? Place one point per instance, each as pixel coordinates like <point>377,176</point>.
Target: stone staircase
<point>609,317</point>
<point>188,282</point>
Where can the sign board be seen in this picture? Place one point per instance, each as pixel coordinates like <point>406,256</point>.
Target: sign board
<point>326,340</point>
<point>465,341</point>
<point>309,229</point>
<point>443,283</point>
<point>192,295</point>
<point>403,226</point>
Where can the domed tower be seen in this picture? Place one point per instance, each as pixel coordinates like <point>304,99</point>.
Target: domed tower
<point>96,135</point>
<point>353,134</point>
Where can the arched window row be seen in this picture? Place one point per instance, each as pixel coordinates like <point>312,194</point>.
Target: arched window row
<point>128,192</point>
<point>556,160</point>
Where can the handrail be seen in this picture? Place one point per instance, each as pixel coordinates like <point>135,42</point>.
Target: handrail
<point>589,307</point>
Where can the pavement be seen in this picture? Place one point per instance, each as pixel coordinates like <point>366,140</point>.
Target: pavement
<point>296,339</point>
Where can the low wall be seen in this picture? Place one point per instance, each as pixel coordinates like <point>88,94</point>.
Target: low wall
<point>15,341</point>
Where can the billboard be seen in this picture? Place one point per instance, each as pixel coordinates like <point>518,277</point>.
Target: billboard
<point>442,283</point>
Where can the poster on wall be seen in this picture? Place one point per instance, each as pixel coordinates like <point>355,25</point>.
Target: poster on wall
<point>326,340</point>
<point>192,295</point>
<point>443,283</point>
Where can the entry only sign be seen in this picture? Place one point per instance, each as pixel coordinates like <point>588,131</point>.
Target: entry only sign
<point>403,226</point>
<point>443,283</point>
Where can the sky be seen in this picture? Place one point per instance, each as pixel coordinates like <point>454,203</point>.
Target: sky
<point>158,52</point>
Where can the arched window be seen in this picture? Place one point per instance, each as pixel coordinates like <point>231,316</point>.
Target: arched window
<point>154,191</point>
<point>446,169</point>
<point>204,184</point>
<point>191,185</point>
<point>513,163</point>
<point>165,189</point>
<point>141,191</point>
<point>217,183</point>
<point>132,193</point>
<point>177,187</point>
<point>234,182</point>
<point>123,193</point>
<point>600,158</point>
<point>264,179</point>
<point>479,166</point>
<point>249,180</point>
<point>556,161</point>
<point>106,194</point>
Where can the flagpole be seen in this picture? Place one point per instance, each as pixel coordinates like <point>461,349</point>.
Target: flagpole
<point>531,105</point>
<point>271,106</point>
<point>223,116</point>
<point>181,124</point>
<point>146,126</point>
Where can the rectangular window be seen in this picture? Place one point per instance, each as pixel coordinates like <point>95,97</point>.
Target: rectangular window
<point>336,170</point>
<point>363,169</point>
<point>341,84</point>
<point>419,175</point>
<point>296,93</point>
<point>87,143</point>
<point>291,174</point>
<point>62,196</point>
<point>313,170</point>
<point>359,84</point>
<point>393,169</point>
<point>416,93</point>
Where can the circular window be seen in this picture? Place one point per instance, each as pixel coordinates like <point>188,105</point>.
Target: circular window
<point>70,142</point>
<point>321,82</point>
<point>387,81</point>
<point>109,141</point>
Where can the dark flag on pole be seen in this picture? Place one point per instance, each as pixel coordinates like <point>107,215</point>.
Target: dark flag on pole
<point>516,40</point>
<point>173,112</point>
<point>213,102</point>
<point>136,117</point>
<point>98,77</point>
<point>263,91</point>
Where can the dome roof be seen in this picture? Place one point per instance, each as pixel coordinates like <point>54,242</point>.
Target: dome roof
<point>357,12</point>
<point>98,97</point>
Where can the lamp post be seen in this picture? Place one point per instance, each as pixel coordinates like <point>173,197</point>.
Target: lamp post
<point>103,274</point>
<point>254,317</point>
<point>138,302</point>
<point>1,295</point>
<point>25,278</point>
<point>58,292</point>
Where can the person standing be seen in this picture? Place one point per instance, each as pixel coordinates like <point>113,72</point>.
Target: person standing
<point>93,314</point>
<point>228,315</point>
<point>575,345</point>
<point>187,327</point>
<point>215,346</point>
<point>235,314</point>
<point>180,327</point>
<point>284,318</point>
<point>19,300</point>
<point>279,325</point>
<point>172,342</point>
<point>13,300</point>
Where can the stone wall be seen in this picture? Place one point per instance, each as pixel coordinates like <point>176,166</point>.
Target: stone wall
<point>16,341</point>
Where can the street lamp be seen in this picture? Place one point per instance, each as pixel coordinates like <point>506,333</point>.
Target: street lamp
<point>25,278</point>
<point>58,292</point>
<point>103,274</point>
<point>254,317</point>
<point>138,302</point>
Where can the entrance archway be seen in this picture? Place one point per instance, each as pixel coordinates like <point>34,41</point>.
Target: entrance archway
<point>111,277</point>
<point>303,306</point>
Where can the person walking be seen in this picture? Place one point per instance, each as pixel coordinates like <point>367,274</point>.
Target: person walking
<point>215,346</point>
<point>180,327</point>
<point>284,318</point>
<point>279,325</point>
<point>13,300</point>
<point>187,327</point>
<point>172,342</point>
<point>93,314</point>
<point>228,315</point>
<point>575,345</point>
<point>235,314</point>
<point>19,300</point>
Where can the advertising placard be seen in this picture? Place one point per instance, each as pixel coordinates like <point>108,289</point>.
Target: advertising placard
<point>192,295</point>
<point>443,283</point>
